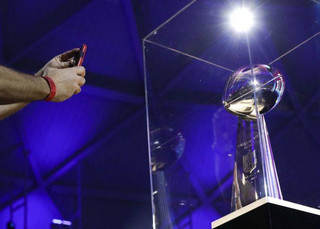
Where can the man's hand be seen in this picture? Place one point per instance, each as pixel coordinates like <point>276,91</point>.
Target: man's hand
<point>18,89</point>
<point>68,81</point>
<point>64,60</point>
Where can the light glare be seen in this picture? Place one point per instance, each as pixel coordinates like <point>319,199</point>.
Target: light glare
<point>61,222</point>
<point>57,221</point>
<point>255,82</point>
<point>66,222</point>
<point>241,19</point>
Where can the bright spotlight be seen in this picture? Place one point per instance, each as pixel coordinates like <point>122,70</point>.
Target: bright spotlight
<point>241,19</point>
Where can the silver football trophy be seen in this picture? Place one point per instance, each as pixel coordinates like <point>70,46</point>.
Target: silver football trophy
<point>249,94</point>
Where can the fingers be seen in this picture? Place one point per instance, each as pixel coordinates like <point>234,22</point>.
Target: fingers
<point>82,81</point>
<point>78,90</point>
<point>68,54</point>
<point>80,71</point>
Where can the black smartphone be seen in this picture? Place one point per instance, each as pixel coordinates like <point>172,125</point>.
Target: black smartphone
<point>80,57</point>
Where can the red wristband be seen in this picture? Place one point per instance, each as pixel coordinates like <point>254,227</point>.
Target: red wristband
<point>52,88</point>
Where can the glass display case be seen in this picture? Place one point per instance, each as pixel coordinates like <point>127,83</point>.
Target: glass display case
<point>232,116</point>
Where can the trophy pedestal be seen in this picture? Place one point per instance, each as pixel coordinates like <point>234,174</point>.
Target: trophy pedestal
<point>270,213</point>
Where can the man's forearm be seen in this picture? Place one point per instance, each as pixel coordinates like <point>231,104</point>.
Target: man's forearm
<point>17,87</point>
<point>9,109</point>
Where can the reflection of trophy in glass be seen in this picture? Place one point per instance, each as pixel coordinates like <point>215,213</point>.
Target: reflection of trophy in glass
<point>167,146</point>
<point>249,94</point>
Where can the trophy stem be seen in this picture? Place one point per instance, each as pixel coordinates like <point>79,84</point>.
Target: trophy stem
<point>162,209</point>
<point>271,177</point>
<point>255,175</point>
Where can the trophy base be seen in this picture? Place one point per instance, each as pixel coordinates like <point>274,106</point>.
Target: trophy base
<point>270,213</point>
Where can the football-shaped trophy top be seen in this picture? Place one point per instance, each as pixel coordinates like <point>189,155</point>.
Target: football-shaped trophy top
<point>263,83</point>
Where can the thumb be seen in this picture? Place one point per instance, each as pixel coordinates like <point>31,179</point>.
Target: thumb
<point>69,54</point>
